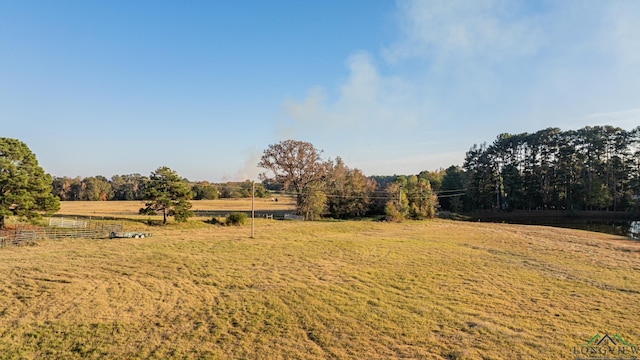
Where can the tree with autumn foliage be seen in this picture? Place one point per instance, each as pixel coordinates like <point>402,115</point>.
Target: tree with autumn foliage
<point>348,191</point>
<point>298,167</point>
<point>410,198</point>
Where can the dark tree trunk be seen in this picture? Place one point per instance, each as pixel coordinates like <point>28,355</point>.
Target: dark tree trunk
<point>1,222</point>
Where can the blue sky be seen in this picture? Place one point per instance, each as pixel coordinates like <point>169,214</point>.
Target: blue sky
<point>121,87</point>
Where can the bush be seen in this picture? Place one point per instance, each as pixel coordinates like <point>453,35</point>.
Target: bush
<point>392,214</point>
<point>216,221</point>
<point>236,219</point>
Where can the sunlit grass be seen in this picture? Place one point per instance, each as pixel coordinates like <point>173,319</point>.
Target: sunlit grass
<point>354,289</point>
<point>110,208</point>
<point>130,209</point>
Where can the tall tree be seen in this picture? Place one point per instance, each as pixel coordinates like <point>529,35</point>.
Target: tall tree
<point>298,167</point>
<point>348,191</point>
<point>62,187</point>
<point>97,188</point>
<point>593,168</point>
<point>422,200</point>
<point>77,188</point>
<point>481,186</point>
<point>453,189</point>
<point>167,192</point>
<point>313,201</point>
<point>204,191</point>
<point>128,187</point>
<point>434,177</point>
<point>397,207</point>
<point>25,189</point>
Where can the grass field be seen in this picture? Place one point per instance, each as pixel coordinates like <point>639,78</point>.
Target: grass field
<point>313,290</point>
<point>129,209</point>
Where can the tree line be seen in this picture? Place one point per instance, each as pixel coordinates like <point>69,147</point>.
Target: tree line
<point>132,187</point>
<point>329,188</point>
<point>593,168</point>
<point>322,188</point>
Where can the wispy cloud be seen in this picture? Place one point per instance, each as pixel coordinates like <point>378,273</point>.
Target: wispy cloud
<point>442,31</point>
<point>467,70</point>
<point>622,31</point>
<point>626,119</point>
<point>365,99</point>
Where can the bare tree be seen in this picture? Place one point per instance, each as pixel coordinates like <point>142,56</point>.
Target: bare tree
<point>298,167</point>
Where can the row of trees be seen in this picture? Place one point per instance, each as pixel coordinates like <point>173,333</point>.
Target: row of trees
<point>593,168</point>
<point>332,189</point>
<point>132,187</point>
<point>322,188</point>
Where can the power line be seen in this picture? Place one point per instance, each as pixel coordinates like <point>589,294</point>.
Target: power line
<point>451,195</point>
<point>457,190</point>
<point>384,195</point>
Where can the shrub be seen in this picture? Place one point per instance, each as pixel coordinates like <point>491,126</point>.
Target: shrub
<point>236,219</point>
<point>392,214</point>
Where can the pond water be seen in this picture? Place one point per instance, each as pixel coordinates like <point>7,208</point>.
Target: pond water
<point>630,229</point>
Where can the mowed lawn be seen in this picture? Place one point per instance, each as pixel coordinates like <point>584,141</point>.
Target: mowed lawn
<point>313,290</point>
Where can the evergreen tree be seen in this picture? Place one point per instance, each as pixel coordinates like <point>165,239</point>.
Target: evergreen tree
<point>454,184</point>
<point>167,192</point>
<point>25,189</point>
<point>593,168</point>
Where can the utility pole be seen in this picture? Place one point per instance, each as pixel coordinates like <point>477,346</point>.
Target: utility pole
<point>253,195</point>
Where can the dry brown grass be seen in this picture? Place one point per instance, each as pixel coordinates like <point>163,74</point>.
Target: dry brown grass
<point>434,289</point>
<point>129,209</point>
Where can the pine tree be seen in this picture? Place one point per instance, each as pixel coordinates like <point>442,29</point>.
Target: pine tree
<point>25,189</point>
<point>167,192</point>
